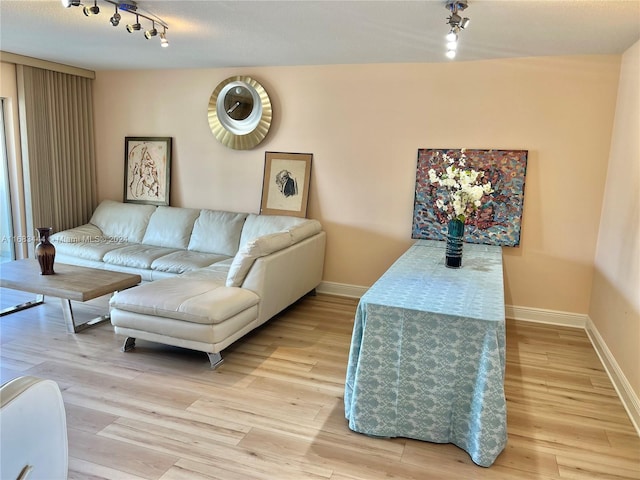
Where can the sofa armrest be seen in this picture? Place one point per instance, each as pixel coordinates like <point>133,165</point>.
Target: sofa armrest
<point>34,429</point>
<point>283,277</point>
<point>87,233</point>
<point>266,245</point>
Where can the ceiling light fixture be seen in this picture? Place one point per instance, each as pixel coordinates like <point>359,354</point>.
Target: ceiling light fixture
<point>129,6</point>
<point>456,23</point>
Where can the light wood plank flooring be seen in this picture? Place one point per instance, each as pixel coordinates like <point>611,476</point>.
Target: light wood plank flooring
<point>275,409</point>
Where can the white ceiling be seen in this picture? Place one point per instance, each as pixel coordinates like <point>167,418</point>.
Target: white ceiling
<point>206,34</point>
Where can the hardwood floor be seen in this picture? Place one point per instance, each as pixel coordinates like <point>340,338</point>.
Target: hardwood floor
<point>275,409</point>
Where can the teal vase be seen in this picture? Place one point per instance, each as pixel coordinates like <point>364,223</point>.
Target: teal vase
<point>455,236</point>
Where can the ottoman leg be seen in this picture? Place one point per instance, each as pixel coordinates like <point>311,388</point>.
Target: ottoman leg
<point>129,344</point>
<point>215,359</point>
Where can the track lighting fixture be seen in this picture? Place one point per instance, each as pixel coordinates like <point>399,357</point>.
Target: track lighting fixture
<point>129,6</point>
<point>456,23</point>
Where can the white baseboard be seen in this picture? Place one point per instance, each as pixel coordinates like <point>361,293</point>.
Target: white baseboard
<point>629,399</point>
<point>626,394</point>
<point>341,289</point>
<point>553,317</point>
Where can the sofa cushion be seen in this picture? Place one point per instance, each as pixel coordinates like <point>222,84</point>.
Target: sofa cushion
<point>217,232</point>
<point>256,248</point>
<point>258,225</point>
<point>197,298</point>
<point>89,251</point>
<point>170,227</point>
<point>86,241</point>
<point>185,261</point>
<point>136,256</point>
<point>125,222</point>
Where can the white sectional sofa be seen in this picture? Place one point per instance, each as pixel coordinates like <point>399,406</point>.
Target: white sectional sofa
<point>209,277</point>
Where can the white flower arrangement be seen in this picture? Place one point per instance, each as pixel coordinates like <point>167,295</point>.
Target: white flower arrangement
<point>465,191</point>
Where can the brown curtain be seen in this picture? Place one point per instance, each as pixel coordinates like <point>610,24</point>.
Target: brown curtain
<point>58,147</point>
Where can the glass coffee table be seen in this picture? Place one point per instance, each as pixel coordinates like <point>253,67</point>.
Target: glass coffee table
<point>69,283</point>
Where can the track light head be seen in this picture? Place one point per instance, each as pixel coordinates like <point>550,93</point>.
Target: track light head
<point>164,43</point>
<point>70,3</point>
<point>88,11</point>
<point>115,20</point>
<point>150,33</point>
<point>134,27</point>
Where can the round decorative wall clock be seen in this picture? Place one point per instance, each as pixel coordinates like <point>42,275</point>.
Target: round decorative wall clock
<point>239,112</point>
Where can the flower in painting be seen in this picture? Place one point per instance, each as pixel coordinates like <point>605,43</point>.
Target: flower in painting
<point>463,190</point>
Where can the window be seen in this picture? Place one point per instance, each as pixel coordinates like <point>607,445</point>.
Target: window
<point>7,250</point>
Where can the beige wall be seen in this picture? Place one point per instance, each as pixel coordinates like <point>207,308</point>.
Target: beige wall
<point>615,301</point>
<point>364,125</point>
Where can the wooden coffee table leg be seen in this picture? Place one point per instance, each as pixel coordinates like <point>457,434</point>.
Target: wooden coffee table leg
<point>16,308</point>
<point>67,312</point>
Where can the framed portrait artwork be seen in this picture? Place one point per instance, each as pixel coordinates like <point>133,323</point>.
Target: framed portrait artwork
<point>285,187</point>
<point>147,170</point>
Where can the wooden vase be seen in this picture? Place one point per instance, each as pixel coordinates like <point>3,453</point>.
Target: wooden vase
<point>45,252</point>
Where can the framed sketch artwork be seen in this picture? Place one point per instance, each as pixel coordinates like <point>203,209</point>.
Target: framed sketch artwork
<point>285,188</point>
<point>147,169</point>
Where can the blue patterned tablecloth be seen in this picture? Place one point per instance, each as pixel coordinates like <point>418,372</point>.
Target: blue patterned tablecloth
<point>427,353</point>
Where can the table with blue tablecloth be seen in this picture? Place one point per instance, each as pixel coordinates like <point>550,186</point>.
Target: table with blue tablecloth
<point>427,355</point>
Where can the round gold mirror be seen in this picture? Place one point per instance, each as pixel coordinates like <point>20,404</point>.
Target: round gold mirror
<point>240,112</point>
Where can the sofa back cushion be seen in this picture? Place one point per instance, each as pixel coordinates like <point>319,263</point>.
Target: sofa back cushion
<point>170,227</point>
<point>217,232</point>
<point>258,225</point>
<point>123,222</point>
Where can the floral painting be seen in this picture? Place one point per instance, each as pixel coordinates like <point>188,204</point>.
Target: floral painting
<point>498,216</point>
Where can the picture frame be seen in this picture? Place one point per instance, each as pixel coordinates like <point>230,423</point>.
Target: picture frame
<point>285,185</point>
<point>147,170</point>
<point>498,220</point>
